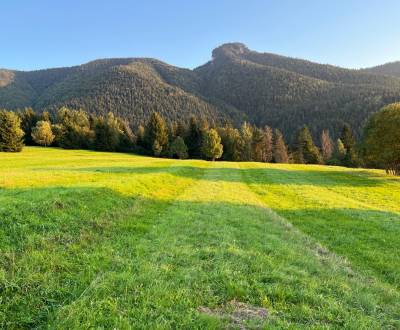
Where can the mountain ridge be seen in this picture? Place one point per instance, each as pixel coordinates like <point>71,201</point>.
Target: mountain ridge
<point>236,84</point>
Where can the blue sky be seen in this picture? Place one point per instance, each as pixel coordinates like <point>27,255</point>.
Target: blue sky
<point>52,33</point>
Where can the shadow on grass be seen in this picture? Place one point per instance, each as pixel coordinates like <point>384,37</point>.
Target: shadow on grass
<point>322,178</point>
<point>76,250</point>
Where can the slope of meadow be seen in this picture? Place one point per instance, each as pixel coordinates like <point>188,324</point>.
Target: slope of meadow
<point>102,240</point>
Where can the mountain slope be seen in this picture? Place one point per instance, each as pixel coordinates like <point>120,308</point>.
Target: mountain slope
<point>389,69</point>
<point>237,84</point>
<point>288,93</point>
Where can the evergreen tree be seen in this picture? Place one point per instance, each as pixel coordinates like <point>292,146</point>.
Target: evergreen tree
<point>280,149</point>
<point>351,158</point>
<point>194,138</point>
<point>156,134</point>
<point>127,139</point>
<point>107,133</point>
<point>246,135</point>
<point>326,145</point>
<point>211,145</point>
<point>11,134</point>
<point>28,121</point>
<point>178,148</point>
<point>73,130</point>
<point>230,139</point>
<point>267,145</point>
<point>306,151</point>
<point>257,144</point>
<point>42,133</point>
<point>140,136</point>
<point>338,155</point>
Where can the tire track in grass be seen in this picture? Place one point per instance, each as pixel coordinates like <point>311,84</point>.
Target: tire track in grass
<point>218,242</point>
<point>359,238</point>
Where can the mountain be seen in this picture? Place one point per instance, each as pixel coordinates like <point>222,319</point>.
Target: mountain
<point>237,84</point>
<point>288,93</point>
<point>389,69</point>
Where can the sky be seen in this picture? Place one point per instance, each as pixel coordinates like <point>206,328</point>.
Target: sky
<point>39,34</point>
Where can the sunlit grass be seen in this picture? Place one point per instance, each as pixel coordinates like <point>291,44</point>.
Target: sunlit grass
<point>107,240</point>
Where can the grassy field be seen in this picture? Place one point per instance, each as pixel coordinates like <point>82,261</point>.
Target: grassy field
<point>103,240</point>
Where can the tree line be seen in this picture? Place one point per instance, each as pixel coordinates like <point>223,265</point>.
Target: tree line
<point>200,139</point>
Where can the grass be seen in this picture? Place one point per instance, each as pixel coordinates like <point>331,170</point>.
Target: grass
<point>103,240</point>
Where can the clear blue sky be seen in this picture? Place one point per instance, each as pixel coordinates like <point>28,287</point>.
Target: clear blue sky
<point>51,33</point>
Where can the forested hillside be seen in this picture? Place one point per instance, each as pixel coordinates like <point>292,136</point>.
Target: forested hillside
<point>236,85</point>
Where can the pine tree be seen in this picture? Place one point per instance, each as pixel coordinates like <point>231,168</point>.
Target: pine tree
<point>73,129</point>
<point>211,146</point>
<point>42,133</point>
<point>178,148</point>
<point>156,134</point>
<point>246,135</point>
<point>28,121</point>
<point>230,139</point>
<point>306,151</point>
<point>280,149</point>
<point>257,144</point>
<point>267,145</point>
<point>194,138</point>
<point>11,134</point>
<point>107,133</point>
<point>351,158</point>
<point>326,145</point>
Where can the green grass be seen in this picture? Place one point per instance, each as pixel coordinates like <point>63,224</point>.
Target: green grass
<point>103,240</point>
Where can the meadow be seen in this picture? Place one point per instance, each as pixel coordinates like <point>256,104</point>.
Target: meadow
<point>106,240</point>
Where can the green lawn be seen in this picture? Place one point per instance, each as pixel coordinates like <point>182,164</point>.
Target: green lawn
<point>106,240</point>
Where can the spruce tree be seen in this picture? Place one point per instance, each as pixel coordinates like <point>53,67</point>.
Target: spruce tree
<point>351,158</point>
<point>11,134</point>
<point>107,133</point>
<point>156,134</point>
<point>280,149</point>
<point>178,148</point>
<point>246,134</point>
<point>306,151</point>
<point>194,138</point>
<point>28,121</point>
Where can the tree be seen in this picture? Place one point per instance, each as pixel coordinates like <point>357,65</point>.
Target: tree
<point>156,134</point>
<point>306,151</point>
<point>246,134</point>
<point>326,145</point>
<point>28,121</point>
<point>73,129</point>
<point>382,139</point>
<point>280,149</point>
<point>351,158</point>
<point>338,155</point>
<point>107,133</point>
<point>127,139</point>
<point>267,145</point>
<point>42,133</point>
<point>194,138</point>
<point>11,134</point>
<point>230,139</point>
<point>211,146</point>
<point>178,148</point>
<point>257,144</point>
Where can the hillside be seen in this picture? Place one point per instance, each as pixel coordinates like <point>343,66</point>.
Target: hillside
<point>389,69</point>
<point>237,84</point>
<point>106,240</point>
